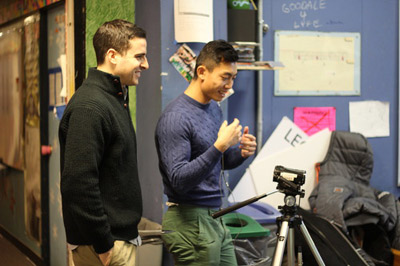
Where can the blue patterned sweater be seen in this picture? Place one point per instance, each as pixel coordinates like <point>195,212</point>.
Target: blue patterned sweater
<point>189,162</point>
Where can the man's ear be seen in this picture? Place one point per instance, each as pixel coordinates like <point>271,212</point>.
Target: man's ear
<point>111,56</point>
<point>201,70</point>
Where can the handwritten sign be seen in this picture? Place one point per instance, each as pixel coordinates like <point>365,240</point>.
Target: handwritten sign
<point>304,9</point>
<point>314,119</point>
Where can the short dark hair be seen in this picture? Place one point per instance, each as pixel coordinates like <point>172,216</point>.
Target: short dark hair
<point>214,53</point>
<point>115,34</point>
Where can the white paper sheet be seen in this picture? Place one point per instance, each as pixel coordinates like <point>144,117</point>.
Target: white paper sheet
<point>370,118</point>
<point>287,134</point>
<point>62,61</point>
<point>193,20</point>
<point>302,157</point>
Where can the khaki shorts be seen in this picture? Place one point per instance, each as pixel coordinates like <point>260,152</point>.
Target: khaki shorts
<point>124,253</point>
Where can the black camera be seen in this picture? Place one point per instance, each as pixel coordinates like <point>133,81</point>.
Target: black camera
<point>289,180</point>
<point>293,175</point>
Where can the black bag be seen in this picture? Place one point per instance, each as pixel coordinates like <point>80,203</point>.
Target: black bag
<point>334,247</point>
<point>375,242</point>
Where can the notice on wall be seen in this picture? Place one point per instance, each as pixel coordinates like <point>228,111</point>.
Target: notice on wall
<point>184,61</point>
<point>55,84</point>
<point>317,63</point>
<point>193,21</point>
<point>370,118</point>
<point>314,119</point>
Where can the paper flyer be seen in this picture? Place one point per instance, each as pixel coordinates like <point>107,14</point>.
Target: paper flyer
<point>184,61</point>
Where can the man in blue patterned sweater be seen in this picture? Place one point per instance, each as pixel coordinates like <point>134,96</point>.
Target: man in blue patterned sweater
<point>194,145</point>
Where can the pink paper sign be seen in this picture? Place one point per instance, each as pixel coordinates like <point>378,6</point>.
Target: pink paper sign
<point>314,119</point>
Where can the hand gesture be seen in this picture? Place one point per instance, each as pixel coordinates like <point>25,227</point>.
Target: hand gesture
<point>228,135</point>
<point>248,143</point>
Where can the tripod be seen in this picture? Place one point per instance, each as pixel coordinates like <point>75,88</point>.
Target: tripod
<point>289,182</point>
<point>287,223</point>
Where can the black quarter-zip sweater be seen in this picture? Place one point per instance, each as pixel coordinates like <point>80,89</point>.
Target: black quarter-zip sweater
<point>101,196</point>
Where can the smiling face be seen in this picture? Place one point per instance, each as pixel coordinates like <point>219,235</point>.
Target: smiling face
<point>130,64</point>
<point>216,83</point>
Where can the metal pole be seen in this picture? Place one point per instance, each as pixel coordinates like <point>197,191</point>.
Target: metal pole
<point>260,76</point>
<point>280,244</point>
<point>311,244</point>
<point>290,247</point>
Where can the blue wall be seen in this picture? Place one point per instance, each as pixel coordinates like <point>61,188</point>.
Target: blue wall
<point>173,83</point>
<point>377,22</point>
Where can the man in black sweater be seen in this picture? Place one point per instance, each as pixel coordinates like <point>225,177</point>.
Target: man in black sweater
<point>101,196</point>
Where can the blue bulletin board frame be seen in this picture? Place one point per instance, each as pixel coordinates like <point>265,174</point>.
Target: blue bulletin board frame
<point>280,90</point>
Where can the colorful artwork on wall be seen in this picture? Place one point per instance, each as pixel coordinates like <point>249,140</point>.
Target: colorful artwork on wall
<point>11,9</point>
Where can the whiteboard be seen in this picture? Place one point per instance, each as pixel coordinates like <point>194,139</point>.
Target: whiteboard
<point>317,63</point>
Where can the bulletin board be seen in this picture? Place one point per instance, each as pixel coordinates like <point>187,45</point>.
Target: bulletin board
<point>317,63</point>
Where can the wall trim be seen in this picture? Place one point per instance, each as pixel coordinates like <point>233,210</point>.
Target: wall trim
<point>24,249</point>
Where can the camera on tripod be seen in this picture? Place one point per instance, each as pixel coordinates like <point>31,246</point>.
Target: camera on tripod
<point>289,180</point>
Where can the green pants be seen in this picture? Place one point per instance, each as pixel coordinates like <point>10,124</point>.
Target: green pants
<point>193,237</point>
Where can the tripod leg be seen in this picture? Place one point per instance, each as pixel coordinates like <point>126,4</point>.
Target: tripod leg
<point>311,244</point>
<point>290,247</point>
<point>280,244</point>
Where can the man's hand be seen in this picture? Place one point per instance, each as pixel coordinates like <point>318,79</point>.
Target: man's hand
<point>228,135</point>
<point>248,143</point>
<point>106,257</point>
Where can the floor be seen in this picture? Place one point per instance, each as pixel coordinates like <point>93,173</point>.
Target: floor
<point>12,256</point>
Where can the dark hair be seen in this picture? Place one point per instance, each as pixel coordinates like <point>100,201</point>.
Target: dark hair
<point>115,34</point>
<point>214,53</point>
